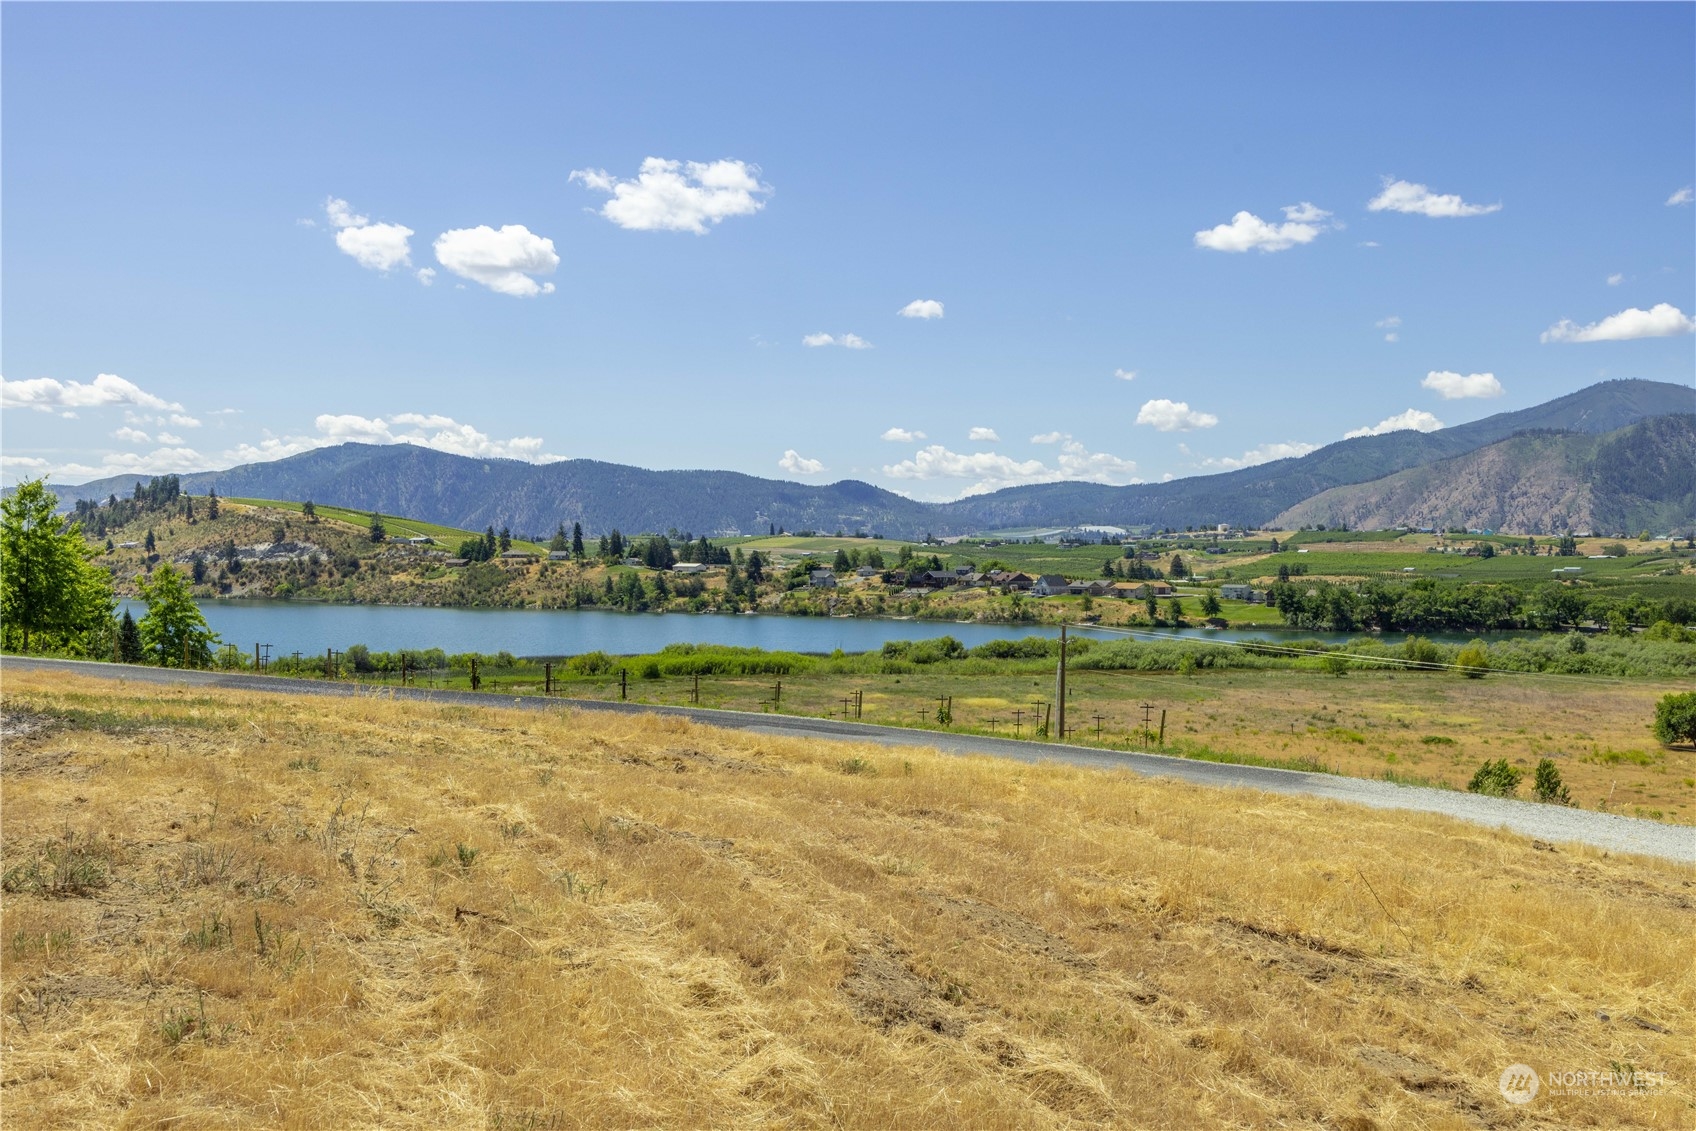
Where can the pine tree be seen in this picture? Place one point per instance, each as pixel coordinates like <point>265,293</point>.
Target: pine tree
<point>211,503</point>
<point>130,650</point>
<point>559,543</point>
<point>577,540</point>
<point>310,511</point>
<point>379,533</point>
<point>489,543</point>
<point>150,543</point>
<point>506,539</point>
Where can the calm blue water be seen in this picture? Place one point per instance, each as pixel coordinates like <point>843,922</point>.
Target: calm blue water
<point>309,628</point>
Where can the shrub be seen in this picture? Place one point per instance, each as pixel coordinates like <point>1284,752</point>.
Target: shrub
<point>1675,718</point>
<point>1474,660</point>
<point>1495,779</point>
<point>1546,785</point>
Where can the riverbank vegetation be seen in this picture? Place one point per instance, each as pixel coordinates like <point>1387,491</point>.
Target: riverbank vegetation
<point>1408,713</point>
<point>225,909</point>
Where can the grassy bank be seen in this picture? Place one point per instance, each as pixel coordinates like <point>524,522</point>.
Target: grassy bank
<point>224,910</point>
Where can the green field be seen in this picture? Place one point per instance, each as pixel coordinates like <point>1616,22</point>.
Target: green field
<point>449,536</point>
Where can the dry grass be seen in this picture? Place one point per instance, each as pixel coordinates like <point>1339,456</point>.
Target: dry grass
<point>233,910</point>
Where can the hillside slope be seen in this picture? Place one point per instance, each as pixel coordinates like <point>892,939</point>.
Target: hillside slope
<point>1635,478</point>
<point>472,493</point>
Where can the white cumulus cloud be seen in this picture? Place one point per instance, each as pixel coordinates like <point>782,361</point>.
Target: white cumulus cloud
<point>1248,232</point>
<point>1265,453</point>
<point>991,471</point>
<point>797,464</point>
<point>1413,419</point>
<point>1049,437</point>
<point>1125,374</point>
<point>902,435</point>
<point>1174,416</point>
<point>426,430</point>
<point>1663,320</point>
<point>1405,196</point>
<point>1454,386</point>
<point>846,341</point>
<point>921,308</point>
<point>1683,196</point>
<point>379,247</point>
<point>983,435</point>
<point>678,196</point>
<point>502,260</point>
<point>426,275</point>
<point>133,435</point>
<point>45,394</point>
<point>1615,279</point>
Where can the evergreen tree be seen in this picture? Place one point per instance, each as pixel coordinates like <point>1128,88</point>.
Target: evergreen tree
<point>188,508</point>
<point>490,543</point>
<point>130,650</point>
<point>310,511</point>
<point>198,566</point>
<point>150,544</point>
<point>577,540</point>
<point>615,545</point>
<point>841,564</point>
<point>173,632</point>
<point>378,532</point>
<point>211,503</point>
<point>605,550</point>
<point>559,543</point>
<point>1210,606</point>
<point>756,569</point>
<point>506,539</point>
<point>1178,567</point>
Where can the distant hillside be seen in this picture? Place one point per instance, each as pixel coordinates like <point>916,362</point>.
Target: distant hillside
<point>459,491</point>
<point>1252,496</point>
<point>1635,478</point>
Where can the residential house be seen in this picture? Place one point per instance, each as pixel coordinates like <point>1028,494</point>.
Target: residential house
<point>518,557</point>
<point>866,571</point>
<point>822,579</point>
<point>1050,585</point>
<point>1237,592</point>
<point>688,567</point>
<point>1009,582</point>
<point>559,555</point>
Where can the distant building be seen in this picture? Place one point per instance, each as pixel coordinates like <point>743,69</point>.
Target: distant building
<point>688,567</point>
<point>822,579</point>
<point>457,563</point>
<point>420,540</point>
<point>559,555</point>
<point>1050,585</point>
<point>1237,592</point>
<point>519,557</point>
<point>865,571</point>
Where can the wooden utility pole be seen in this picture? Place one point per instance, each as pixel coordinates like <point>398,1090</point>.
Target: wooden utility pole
<point>547,677</point>
<point>1060,684</point>
<point>623,685</point>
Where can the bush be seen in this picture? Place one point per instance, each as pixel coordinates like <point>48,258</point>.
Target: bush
<point>1495,779</point>
<point>1473,660</point>
<point>1546,785</point>
<point>1675,718</point>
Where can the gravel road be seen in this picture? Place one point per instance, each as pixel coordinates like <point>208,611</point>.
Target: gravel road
<point>1551,823</point>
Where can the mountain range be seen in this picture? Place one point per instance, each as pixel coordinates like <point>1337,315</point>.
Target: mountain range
<point>1604,457</point>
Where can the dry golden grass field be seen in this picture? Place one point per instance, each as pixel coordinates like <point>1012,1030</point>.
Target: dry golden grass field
<point>227,910</point>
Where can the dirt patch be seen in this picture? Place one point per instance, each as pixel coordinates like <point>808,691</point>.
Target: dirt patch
<point>1009,929</point>
<point>646,832</point>
<point>683,761</point>
<point>1424,1079</point>
<point>884,990</point>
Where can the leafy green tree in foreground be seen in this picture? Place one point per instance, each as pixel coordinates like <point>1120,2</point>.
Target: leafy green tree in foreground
<point>173,633</point>
<point>1675,718</point>
<point>50,594</point>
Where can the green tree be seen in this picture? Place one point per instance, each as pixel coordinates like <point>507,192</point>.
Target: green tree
<point>1675,718</point>
<point>506,539</point>
<point>559,544</point>
<point>310,511</point>
<point>211,503</point>
<point>379,533</point>
<point>840,563</point>
<point>1474,660</point>
<point>1495,779</point>
<point>49,590</point>
<point>1210,606</point>
<point>173,632</point>
<point>1179,569</point>
<point>756,568</point>
<point>577,540</point>
<point>1547,786</point>
<point>130,649</point>
<point>150,545</point>
<point>491,544</point>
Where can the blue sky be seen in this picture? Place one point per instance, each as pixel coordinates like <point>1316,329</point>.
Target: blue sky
<point>239,231</point>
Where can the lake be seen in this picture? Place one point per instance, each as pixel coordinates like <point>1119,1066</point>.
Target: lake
<point>310,627</point>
